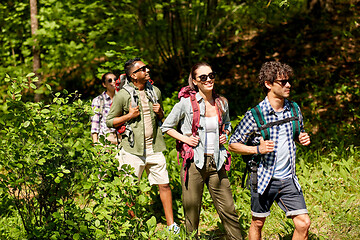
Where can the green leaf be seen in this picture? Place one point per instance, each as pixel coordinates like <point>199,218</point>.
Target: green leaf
<point>45,111</point>
<point>97,223</point>
<point>144,187</point>
<point>26,124</point>
<point>57,215</point>
<point>30,75</point>
<point>151,222</point>
<point>33,86</point>
<point>41,161</point>
<point>57,179</point>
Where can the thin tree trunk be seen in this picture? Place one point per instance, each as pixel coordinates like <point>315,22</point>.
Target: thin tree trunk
<point>36,47</point>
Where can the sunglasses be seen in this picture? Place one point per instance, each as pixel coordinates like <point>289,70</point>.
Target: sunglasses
<point>204,77</point>
<point>143,69</point>
<point>110,80</point>
<point>283,82</point>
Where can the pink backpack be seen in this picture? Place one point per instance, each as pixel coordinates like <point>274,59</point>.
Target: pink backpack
<point>186,151</point>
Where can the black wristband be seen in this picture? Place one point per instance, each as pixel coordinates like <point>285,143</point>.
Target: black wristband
<point>258,150</point>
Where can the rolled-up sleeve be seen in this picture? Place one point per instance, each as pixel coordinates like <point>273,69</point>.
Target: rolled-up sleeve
<point>173,119</point>
<point>95,119</point>
<point>244,129</point>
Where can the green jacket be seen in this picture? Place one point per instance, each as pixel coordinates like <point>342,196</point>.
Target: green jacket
<point>120,107</point>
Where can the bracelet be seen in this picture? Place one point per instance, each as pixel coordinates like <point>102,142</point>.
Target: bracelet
<point>258,150</point>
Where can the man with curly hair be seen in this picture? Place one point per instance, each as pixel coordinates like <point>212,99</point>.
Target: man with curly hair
<point>276,178</point>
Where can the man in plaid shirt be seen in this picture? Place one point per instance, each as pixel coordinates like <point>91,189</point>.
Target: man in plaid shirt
<point>101,105</point>
<point>276,177</point>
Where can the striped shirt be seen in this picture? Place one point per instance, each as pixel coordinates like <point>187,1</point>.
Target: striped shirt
<point>98,121</point>
<point>247,130</point>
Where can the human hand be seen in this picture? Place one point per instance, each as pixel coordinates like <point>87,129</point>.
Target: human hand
<point>134,112</point>
<point>266,146</point>
<point>222,139</point>
<point>304,139</point>
<point>157,108</point>
<point>192,141</point>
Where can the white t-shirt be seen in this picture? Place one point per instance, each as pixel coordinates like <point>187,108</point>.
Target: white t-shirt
<point>211,125</point>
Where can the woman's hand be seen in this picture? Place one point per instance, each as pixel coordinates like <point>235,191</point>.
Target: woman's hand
<point>192,141</point>
<point>222,139</point>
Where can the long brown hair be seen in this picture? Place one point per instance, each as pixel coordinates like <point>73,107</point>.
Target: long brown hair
<point>220,101</point>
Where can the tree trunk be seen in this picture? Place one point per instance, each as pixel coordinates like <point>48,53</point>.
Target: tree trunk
<point>36,47</point>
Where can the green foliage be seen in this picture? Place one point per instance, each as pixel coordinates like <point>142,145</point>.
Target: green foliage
<point>49,168</point>
<point>56,182</point>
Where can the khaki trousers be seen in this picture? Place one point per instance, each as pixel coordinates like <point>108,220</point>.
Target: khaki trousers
<point>220,191</point>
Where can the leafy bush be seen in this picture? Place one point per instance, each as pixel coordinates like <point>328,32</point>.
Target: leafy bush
<point>56,182</point>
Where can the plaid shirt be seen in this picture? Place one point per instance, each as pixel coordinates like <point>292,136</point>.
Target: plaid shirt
<point>98,121</point>
<point>247,130</point>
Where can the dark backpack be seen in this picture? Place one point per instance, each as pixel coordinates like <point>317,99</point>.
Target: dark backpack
<point>183,149</point>
<point>252,161</point>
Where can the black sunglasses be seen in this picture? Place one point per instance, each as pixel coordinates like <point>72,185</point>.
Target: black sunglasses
<point>143,69</point>
<point>283,82</point>
<point>204,77</point>
<point>110,80</point>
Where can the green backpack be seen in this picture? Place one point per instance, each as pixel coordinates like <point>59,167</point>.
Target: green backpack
<point>252,161</point>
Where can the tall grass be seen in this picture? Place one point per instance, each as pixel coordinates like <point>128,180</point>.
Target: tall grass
<point>330,181</point>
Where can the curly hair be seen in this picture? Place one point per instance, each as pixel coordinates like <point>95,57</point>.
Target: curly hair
<point>270,70</point>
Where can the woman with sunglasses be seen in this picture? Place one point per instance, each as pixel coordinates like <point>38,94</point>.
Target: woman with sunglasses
<point>101,105</point>
<point>208,165</point>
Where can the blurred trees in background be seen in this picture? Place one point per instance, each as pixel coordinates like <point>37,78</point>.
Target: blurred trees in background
<point>77,41</point>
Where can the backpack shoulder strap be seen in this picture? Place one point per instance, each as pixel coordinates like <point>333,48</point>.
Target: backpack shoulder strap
<point>196,114</point>
<point>296,122</point>
<point>260,121</point>
<point>133,95</point>
<point>151,92</point>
